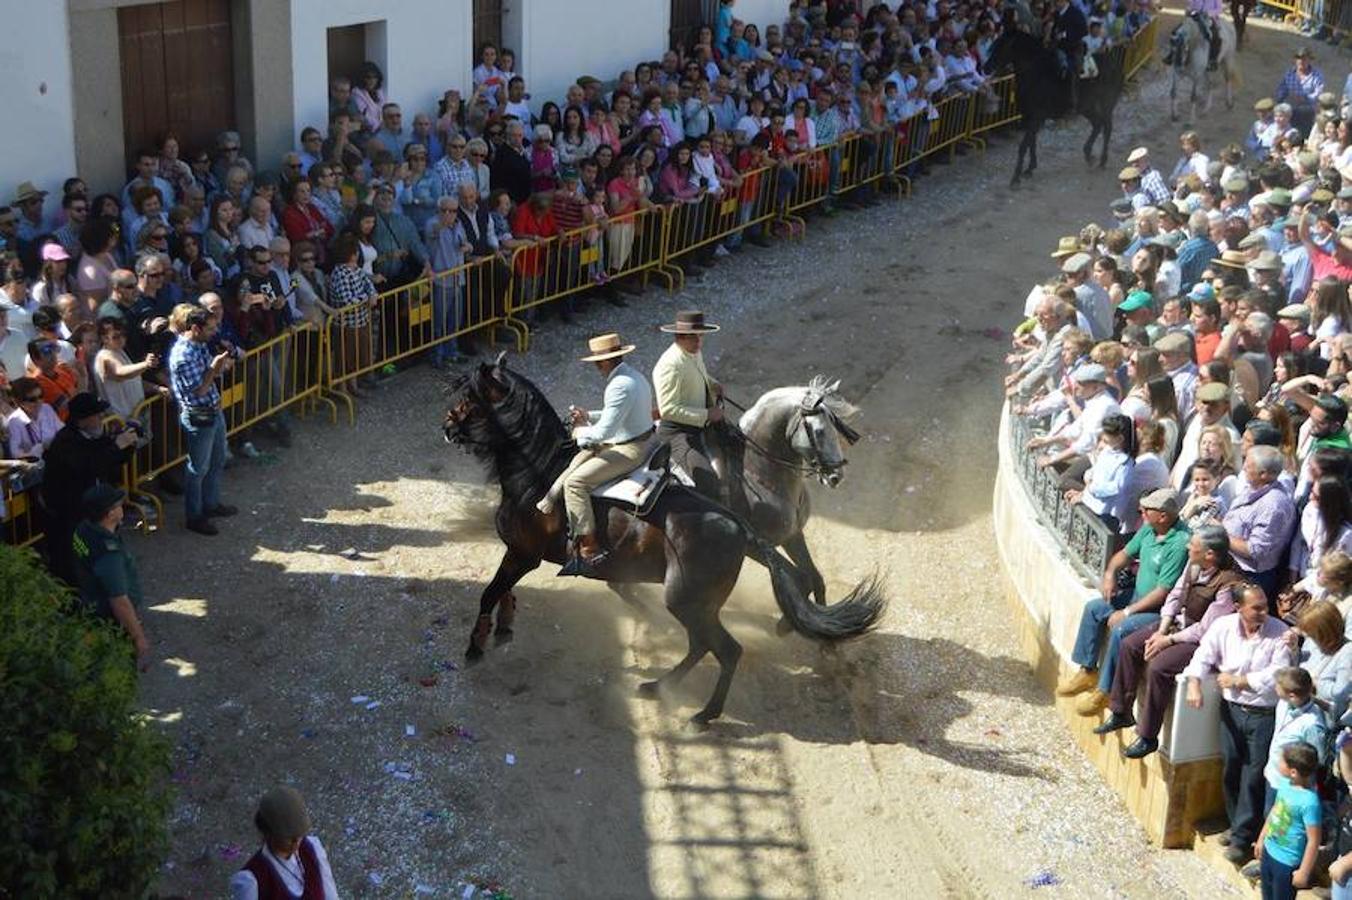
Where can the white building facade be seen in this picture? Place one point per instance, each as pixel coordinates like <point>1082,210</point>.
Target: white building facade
<point>92,81</point>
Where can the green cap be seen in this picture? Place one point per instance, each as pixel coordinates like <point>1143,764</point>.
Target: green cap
<point>1136,300</point>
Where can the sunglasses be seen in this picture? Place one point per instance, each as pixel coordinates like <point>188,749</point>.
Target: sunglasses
<point>37,399</point>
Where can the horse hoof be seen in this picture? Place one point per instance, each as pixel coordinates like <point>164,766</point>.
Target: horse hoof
<point>783,626</point>
<point>503,636</point>
<point>1014,184</point>
<point>700,721</point>
<point>473,654</point>
<point>648,690</point>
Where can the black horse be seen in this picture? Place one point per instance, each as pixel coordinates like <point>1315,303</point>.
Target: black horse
<point>686,543</point>
<point>1043,94</point>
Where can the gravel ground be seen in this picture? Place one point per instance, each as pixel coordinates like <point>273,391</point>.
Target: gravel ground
<point>921,761</point>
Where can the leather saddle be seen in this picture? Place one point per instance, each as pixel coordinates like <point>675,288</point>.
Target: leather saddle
<point>640,489</point>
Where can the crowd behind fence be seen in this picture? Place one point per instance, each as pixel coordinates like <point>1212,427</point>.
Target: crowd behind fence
<point>310,367</point>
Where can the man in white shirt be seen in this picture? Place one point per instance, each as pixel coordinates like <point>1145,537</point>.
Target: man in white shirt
<point>1078,436</point>
<point>612,441</point>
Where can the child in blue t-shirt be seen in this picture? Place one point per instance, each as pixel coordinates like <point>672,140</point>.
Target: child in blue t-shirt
<point>1289,842</point>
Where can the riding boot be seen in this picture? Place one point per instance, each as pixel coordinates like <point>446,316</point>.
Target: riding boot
<point>587,557</point>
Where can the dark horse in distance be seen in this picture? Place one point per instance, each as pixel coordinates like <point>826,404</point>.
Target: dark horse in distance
<point>689,545</point>
<point>1043,94</point>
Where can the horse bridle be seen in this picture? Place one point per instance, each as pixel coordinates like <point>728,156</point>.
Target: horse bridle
<point>812,404</point>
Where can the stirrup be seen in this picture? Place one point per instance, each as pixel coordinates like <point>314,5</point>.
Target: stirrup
<point>585,568</point>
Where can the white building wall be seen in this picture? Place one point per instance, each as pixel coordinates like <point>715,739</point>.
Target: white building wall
<point>560,41</point>
<point>761,13</point>
<point>37,104</point>
<point>424,49</point>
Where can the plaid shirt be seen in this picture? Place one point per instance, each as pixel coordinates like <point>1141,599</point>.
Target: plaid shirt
<point>189,362</point>
<point>1300,90</point>
<point>1152,183</point>
<point>349,289</point>
<point>453,174</point>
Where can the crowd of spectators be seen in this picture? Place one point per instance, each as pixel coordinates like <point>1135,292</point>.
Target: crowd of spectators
<point>1188,374</point>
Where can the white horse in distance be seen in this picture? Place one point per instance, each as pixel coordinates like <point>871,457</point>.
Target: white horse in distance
<point>1190,49</point>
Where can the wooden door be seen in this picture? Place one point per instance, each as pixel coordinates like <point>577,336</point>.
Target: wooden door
<point>347,51</point>
<point>686,18</point>
<point>177,73</point>
<point>487,25</point>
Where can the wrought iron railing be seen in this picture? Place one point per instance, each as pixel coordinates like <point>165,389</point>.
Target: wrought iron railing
<point>1088,542</point>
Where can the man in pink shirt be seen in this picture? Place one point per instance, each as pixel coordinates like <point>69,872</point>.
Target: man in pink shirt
<point>1337,263</point>
<point>1244,650</point>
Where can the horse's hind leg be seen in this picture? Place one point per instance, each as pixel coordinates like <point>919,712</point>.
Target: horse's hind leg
<point>728,652</point>
<point>1032,150</point>
<point>696,652</point>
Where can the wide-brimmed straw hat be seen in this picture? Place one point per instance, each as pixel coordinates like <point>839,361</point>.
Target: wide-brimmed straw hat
<point>1066,246</point>
<point>606,346</point>
<point>690,321</point>
<point>1235,259</point>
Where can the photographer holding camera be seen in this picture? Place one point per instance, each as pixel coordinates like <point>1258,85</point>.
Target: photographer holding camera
<point>193,372</point>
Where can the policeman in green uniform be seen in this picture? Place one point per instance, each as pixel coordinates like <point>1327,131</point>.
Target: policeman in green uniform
<point>109,584</point>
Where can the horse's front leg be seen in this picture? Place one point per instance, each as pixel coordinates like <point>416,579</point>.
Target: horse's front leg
<point>511,569</point>
<point>1032,149</point>
<point>1089,144</point>
<point>1018,162</point>
<point>1107,136</point>
<point>1173,97</point>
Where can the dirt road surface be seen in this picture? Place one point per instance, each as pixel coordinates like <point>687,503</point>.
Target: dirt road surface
<point>921,761</point>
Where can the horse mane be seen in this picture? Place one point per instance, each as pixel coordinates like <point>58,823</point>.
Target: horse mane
<point>522,441</point>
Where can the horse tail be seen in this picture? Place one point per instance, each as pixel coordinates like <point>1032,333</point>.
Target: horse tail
<point>851,617</point>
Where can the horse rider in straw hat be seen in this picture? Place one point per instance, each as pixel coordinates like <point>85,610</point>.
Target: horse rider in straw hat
<point>687,400</point>
<point>612,441</point>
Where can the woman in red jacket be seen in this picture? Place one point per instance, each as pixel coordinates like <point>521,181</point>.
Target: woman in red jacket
<point>303,221</point>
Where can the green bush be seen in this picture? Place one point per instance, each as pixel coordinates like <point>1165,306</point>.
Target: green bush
<point>83,779</point>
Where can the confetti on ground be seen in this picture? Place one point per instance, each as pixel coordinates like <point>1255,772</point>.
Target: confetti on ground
<point>1042,878</point>
<point>361,698</point>
<point>373,704</point>
<point>410,731</point>
<point>230,851</point>
<point>511,759</point>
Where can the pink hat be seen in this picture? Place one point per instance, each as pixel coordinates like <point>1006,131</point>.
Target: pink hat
<point>54,252</point>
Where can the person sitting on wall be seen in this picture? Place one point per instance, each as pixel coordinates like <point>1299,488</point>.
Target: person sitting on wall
<point>1160,548</point>
<point>1201,596</point>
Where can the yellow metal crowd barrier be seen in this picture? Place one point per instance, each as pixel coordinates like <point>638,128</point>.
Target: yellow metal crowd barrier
<point>1004,111</point>
<point>551,269</point>
<point>360,339</point>
<point>22,528</point>
<point>748,202</point>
